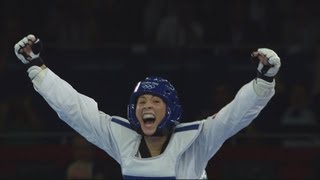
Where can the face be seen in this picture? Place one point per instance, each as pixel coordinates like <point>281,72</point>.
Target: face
<point>150,111</point>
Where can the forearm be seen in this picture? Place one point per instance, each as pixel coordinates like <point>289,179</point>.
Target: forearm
<point>71,106</point>
<point>77,110</point>
<point>246,106</point>
<point>236,115</point>
<point>240,112</point>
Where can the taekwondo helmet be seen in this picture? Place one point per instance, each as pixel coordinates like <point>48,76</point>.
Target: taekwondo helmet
<point>164,89</point>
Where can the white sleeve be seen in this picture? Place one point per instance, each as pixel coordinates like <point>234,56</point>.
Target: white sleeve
<point>77,110</point>
<point>239,113</point>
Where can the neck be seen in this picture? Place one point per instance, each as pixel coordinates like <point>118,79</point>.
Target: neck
<point>155,144</point>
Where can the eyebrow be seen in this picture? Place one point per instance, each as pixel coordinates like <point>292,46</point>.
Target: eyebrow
<point>152,96</point>
<point>141,97</point>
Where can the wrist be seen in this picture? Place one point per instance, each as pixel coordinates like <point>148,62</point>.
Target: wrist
<point>36,62</point>
<point>43,66</point>
<point>266,78</point>
<point>263,88</point>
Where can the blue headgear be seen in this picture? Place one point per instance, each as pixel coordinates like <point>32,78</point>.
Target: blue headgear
<point>162,88</point>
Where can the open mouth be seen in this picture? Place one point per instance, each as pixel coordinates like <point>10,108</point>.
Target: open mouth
<point>149,119</point>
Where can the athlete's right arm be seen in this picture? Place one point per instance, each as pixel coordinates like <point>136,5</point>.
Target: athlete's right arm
<point>77,110</point>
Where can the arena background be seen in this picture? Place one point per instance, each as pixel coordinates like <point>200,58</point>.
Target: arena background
<point>102,48</point>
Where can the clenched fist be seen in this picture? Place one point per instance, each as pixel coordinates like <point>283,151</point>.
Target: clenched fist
<point>269,62</point>
<point>28,49</point>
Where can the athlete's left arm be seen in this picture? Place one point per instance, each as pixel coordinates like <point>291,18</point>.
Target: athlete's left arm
<point>246,105</point>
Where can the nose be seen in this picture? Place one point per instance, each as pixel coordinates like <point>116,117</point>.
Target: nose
<point>148,105</point>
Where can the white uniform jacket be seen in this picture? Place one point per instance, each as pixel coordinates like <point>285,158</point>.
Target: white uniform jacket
<point>190,148</point>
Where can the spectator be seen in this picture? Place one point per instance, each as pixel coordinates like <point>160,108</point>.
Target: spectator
<point>220,96</point>
<point>298,112</point>
<point>18,114</point>
<point>316,85</point>
<point>180,28</point>
<point>241,28</point>
<point>80,170</point>
<point>81,148</point>
<point>83,160</point>
<point>300,14</point>
<point>154,10</point>
<point>298,118</point>
<point>74,24</point>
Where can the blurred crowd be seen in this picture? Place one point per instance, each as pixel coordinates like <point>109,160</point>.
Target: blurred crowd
<point>169,23</point>
<point>288,26</point>
<point>202,46</point>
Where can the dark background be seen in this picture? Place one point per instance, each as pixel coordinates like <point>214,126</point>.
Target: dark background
<point>103,48</point>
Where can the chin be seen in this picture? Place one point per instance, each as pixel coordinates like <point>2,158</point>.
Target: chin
<point>148,132</point>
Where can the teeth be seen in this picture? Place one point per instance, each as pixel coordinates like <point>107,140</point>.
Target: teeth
<point>148,116</point>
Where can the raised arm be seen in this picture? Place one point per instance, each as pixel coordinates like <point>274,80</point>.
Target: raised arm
<point>246,105</point>
<point>77,110</point>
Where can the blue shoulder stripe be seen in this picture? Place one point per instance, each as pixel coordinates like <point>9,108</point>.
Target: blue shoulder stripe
<point>145,178</point>
<point>187,128</point>
<point>122,123</point>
